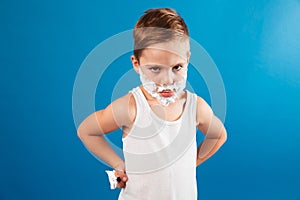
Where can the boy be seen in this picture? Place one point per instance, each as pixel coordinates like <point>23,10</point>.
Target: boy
<point>158,118</point>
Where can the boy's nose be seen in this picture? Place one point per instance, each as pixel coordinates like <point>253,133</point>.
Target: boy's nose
<point>168,78</point>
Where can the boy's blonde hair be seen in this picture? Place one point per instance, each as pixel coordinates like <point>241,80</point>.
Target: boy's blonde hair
<point>157,26</point>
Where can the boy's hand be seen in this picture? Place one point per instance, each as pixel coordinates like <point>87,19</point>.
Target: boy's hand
<point>122,178</point>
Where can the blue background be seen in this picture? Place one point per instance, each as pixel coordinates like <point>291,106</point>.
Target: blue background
<point>255,44</point>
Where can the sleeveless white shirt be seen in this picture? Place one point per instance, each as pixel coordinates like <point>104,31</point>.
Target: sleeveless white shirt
<point>160,156</point>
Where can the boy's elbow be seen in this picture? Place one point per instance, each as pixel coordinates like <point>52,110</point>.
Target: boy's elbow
<point>81,133</point>
<point>224,136</point>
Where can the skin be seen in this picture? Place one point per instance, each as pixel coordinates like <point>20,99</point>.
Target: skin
<point>170,66</point>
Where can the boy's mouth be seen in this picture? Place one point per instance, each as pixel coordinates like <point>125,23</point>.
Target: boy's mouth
<point>166,93</point>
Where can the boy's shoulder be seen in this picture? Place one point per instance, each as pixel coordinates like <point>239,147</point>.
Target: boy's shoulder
<point>126,101</point>
<point>204,111</point>
<point>199,99</point>
<point>124,108</point>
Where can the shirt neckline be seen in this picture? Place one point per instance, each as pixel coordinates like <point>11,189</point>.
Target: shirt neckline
<point>160,119</point>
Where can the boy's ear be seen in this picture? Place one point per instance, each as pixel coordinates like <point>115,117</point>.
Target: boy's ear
<point>135,63</point>
<point>188,56</point>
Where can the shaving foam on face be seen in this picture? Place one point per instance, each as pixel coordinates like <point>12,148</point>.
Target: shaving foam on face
<point>153,89</point>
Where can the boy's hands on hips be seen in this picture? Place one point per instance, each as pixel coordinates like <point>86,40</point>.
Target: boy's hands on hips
<point>122,178</point>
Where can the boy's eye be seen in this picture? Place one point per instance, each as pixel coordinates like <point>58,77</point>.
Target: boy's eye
<point>155,69</point>
<point>177,68</point>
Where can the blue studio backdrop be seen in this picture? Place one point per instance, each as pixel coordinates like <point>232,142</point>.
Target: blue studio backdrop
<point>254,44</point>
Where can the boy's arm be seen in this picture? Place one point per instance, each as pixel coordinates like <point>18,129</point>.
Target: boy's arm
<point>91,130</point>
<point>212,128</point>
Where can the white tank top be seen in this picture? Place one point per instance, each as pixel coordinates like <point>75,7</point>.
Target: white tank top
<point>160,156</point>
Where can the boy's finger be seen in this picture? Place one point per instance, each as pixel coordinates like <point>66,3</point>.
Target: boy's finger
<point>119,173</point>
<point>121,184</point>
<point>121,176</point>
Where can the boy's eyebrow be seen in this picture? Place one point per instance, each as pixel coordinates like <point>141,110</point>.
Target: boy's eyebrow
<point>158,65</point>
<point>154,65</point>
<point>181,64</point>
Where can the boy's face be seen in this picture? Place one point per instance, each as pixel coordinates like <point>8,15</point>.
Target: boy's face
<point>163,69</point>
